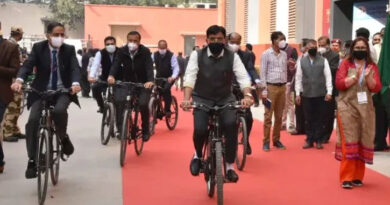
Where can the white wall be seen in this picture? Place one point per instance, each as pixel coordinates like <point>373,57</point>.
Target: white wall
<point>282,16</point>
<point>253,21</point>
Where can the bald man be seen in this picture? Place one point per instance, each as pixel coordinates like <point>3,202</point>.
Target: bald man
<point>234,42</point>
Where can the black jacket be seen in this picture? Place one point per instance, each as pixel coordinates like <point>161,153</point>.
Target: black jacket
<point>247,60</point>
<point>333,60</point>
<point>40,57</point>
<point>138,70</point>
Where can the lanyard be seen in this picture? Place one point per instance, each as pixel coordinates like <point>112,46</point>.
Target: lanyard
<point>361,74</point>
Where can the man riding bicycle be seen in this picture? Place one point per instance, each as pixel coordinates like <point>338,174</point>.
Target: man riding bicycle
<point>56,68</point>
<point>104,59</point>
<point>134,62</point>
<point>234,42</point>
<point>166,67</point>
<point>208,79</point>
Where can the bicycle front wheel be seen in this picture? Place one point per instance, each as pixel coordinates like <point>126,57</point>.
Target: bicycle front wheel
<point>55,156</point>
<point>219,175</point>
<point>174,116</point>
<point>242,143</point>
<point>43,163</point>
<point>125,135</point>
<point>137,132</point>
<point>107,123</point>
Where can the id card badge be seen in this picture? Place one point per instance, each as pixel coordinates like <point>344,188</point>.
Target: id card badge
<point>362,98</point>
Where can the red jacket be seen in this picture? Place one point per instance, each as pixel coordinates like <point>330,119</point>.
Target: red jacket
<point>342,73</point>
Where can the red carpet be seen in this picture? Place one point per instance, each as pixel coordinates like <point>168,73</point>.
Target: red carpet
<point>293,176</point>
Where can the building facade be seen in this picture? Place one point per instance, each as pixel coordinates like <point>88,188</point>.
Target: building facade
<point>182,28</point>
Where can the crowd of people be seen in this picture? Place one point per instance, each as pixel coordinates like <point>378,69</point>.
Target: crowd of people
<point>301,90</point>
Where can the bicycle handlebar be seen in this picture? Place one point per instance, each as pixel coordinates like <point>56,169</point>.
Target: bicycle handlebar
<point>235,105</point>
<point>139,85</point>
<point>46,92</point>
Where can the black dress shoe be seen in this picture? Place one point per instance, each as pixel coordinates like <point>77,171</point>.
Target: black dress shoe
<point>2,167</point>
<point>10,139</point>
<point>357,182</point>
<point>279,145</point>
<point>31,171</point>
<point>195,166</point>
<point>67,146</point>
<point>347,185</point>
<point>266,147</point>
<point>308,145</point>
<point>231,175</point>
<point>20,136</point>
<point>319,145</point>
<point>248,149</point>
<point>100,110</point>
<point>145,137</point>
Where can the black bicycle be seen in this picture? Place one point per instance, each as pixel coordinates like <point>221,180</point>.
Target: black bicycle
<point>242,145</point>
<point>213,163</point>
<point>49,144</point>
<point>132,122</point>
<point>107,129</point>
<point>156,107</point>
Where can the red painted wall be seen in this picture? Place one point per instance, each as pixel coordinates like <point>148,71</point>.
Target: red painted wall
<point>155,23</point>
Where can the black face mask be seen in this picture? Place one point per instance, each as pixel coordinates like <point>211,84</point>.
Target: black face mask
<point>312,51</point>
<point>360,55</point>
<point>216,48</point>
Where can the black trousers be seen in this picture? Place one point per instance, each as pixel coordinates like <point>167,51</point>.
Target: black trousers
<point>3,107</point>
<point>249,122</point>
<point>313,109</point>
<point>144,98</point>
<point>60,118</point>
<point>85,86</point>
<point>97,93</point>
<point>299,119</point>
<point>382,117</point>
<point>329,115</point>
<point>228,120</point>
<point>167,96</point>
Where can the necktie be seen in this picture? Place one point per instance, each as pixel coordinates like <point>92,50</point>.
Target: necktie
<point>54,76</point>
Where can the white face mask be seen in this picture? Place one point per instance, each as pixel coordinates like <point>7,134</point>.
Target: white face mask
<point>57,41</point>
<point>111,48</point>
<point>282,44</point>
<point>233,47</point>
<point>162,51</point>
<point>132,46</point>
<point>321,50</point>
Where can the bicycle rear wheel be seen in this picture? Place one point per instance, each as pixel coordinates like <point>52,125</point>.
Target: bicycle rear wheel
<point>153,115</point>
<point>107,123</point>
<point>43,163</point>
<point>137,132</point>
<point>242,143</point>
<point>218,169</point>
<point>55,156</point>
<point>125,135</point>
<point>172,119</point>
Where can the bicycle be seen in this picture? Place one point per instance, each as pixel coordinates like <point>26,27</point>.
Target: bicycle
<point>242,144</point>
<point>107,129</point>
<point>49,144</point>
<point>213,165</point>
<point>132,122</point>
<point>156,107</point>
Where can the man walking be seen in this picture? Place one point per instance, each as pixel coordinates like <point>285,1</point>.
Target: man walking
<point>10,130</point>
<point>313,86</point>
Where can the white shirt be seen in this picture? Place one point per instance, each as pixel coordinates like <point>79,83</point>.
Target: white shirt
<point>193,68</point>
<point>327,73</point>
<point>96,64</point>
<point>79,57</point>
